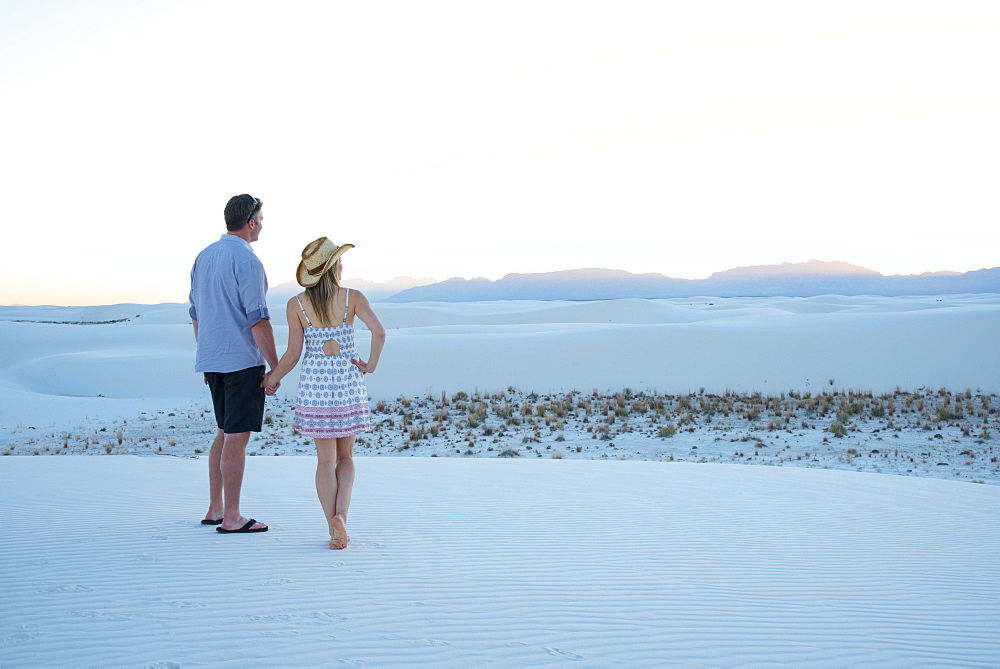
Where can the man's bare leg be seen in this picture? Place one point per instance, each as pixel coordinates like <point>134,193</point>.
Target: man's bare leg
<point>216,505</point>
<point>234,453</point>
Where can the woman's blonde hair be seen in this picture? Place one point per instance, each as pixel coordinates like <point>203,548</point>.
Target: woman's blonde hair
<point>323,293</point>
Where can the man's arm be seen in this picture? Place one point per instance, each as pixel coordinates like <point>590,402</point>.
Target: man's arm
<point>263,335</point>
<point>195,324</point>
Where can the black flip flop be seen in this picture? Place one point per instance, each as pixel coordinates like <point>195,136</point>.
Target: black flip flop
<point>243,530</point>
<point>212,522</point>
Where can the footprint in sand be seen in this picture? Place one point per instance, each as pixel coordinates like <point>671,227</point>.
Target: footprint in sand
<point>62,588</point>
<point>181,604</point>
<point>17,638</point>
<point>267,585</point>
<point>281,634</point>
<point>563,653</point>
<point>432,643</point>
<point>329,617</point>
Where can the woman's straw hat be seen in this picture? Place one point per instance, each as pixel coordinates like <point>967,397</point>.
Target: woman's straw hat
<point>317,258</point>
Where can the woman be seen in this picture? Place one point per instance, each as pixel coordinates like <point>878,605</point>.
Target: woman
<point>332,402</point>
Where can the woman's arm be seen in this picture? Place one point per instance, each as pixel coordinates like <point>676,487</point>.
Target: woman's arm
<point>363,310</point>
<point>294,349</point>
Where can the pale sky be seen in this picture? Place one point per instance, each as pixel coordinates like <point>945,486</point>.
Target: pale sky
<point>483,138</point>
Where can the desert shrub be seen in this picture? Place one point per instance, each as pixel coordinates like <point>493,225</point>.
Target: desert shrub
<point>667,431</point>
<point>945,414</point>
<point>838,429</point>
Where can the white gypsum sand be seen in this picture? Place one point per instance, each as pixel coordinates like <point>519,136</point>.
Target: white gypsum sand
<point>558,552</point>
<point>911,382</point>
<point>49,369</point>
<point>497,562</point>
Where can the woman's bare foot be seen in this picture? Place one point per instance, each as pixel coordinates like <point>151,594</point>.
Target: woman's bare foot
<point>338,533</point>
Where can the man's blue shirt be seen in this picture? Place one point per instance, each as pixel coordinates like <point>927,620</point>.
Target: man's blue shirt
<point>228,293</point>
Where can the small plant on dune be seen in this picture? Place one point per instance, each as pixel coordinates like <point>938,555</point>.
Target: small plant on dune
<point>838,429</point>
<point>557,454</point>
<point>509,453</point>
<point>946,414</point>
<point>667,431</point>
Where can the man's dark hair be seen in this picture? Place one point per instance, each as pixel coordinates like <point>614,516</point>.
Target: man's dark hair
<point>240,209</point>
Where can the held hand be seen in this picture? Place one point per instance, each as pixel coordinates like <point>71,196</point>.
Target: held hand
<point>269,388</point>
<point>363,366</point>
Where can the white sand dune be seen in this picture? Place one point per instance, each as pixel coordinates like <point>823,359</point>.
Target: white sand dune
<point>497,562</point>
<point>768,345</point>
<point>461,561</point>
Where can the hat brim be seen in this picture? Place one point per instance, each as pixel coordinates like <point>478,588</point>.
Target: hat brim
<point>308,279</point>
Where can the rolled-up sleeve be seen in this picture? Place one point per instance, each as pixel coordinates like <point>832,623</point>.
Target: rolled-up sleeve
<point>192,312</point>
<point>253,291</point>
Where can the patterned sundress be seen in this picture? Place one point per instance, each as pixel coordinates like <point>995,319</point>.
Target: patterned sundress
<point>332,401</point>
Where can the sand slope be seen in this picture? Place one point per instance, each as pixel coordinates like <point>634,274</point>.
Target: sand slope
<point>488,562</point>
<point>768,345</point>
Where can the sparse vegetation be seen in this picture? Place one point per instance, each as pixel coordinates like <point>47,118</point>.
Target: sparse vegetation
<point>793,427</point>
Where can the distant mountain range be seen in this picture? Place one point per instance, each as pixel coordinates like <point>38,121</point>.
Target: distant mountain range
<point>372,290</point>
<point>815,277</point>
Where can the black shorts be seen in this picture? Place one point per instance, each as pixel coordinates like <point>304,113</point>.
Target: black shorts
<point>238,399</point>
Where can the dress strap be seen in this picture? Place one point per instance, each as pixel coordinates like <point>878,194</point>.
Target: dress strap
<point>303,311</point>
<point>347,301</point>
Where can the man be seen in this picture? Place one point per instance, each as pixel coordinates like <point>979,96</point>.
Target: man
<point>233,330</point>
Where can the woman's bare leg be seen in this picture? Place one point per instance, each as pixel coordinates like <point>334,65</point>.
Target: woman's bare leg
<point>334,483</point>
<point>345,484</point>
<point>326,477</point>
